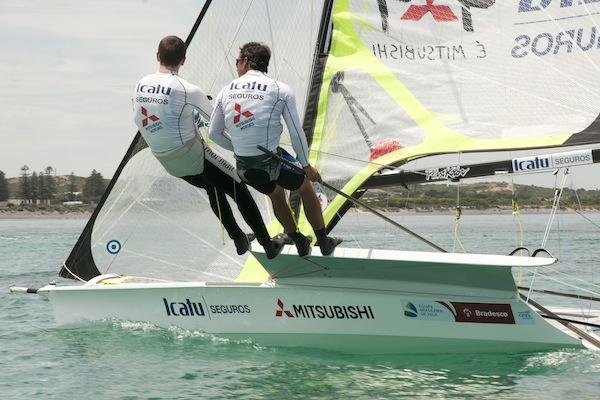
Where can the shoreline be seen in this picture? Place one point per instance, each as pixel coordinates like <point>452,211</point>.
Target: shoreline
<point>5,215</point>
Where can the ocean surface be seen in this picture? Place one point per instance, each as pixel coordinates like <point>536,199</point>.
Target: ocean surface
<point>136,360</point>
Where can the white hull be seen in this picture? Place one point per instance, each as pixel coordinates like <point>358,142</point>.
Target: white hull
<point>335,313</point>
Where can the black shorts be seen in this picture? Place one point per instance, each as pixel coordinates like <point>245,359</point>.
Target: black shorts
<point>287,179</point>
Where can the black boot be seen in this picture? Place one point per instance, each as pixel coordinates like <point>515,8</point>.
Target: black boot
<point>273,247</point>
<point>302,243</point>
<point>328,243</point>
<point>242,242</point>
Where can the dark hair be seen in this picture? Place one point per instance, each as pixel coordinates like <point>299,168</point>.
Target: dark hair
<point>258,54</point>
<point>171,50</point>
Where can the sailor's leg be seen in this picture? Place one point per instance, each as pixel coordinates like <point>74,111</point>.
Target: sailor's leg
<point>243,199</point>
<point>218,203</point>
<point>281,208</point>
<point>312,207</point>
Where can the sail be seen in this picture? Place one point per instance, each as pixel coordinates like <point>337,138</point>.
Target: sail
<point>405,79</point>
<point>153,225</point>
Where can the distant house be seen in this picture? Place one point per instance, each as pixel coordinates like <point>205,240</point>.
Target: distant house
<point>72,203</point>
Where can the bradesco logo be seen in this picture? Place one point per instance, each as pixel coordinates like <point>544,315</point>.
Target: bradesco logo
<point>310,311</point>
<point>440,11</point>
<point>483,313</point>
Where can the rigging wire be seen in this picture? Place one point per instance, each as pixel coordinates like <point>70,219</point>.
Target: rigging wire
<point>517,220</point>
<point>553,212</point>
<point>458,216</point>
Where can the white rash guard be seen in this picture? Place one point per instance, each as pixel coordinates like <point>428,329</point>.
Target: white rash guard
<point>163,105</point>
<point>250,109</point>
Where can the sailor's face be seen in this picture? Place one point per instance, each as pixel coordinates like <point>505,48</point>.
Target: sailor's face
<point>241,64</point>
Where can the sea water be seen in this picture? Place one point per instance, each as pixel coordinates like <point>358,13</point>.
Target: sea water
<point>136,360</point>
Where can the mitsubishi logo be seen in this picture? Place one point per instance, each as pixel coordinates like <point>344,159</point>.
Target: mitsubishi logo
<point>440,13</point>
<point>239,113</point>
<point>152,117</point>
<point>281,310</point>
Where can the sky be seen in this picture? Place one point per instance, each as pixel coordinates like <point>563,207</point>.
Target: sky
<point>68,70</point>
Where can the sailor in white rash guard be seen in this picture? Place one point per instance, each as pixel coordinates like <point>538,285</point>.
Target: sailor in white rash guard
<point>164,106</point>
<point>247,114</point>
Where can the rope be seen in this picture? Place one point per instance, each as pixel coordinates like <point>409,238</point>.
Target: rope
<point>458,216</point>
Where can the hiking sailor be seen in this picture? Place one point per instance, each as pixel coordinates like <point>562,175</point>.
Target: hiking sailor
<point>164,106</point>
<point>250,109</point>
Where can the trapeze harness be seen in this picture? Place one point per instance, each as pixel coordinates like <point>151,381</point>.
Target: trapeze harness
<point>248,113</point>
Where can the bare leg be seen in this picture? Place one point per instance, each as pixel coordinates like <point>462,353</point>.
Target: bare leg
<point>312,207</point>
<point>282,210</point>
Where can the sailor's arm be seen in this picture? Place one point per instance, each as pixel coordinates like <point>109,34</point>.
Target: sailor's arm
<point>297,135</point>
<point>197,99</point>
<point>216,129</point>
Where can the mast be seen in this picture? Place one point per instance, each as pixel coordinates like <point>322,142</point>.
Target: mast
<point>80,262</point>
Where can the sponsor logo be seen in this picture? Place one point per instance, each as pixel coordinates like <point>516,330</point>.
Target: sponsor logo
<point>410,310</point>
<point>324,311</point>
<point>153,89</point>
<point>549,161</point>
<point>190,308</point>
<point>147,117</point>
<point>248,85</point>
<point>239,113</point>
<point>456,172</point>
<point>483,313</point>
<point>441,11</point>
<point>539,5</point>
<point>185,308</point>
<point>229,309</point>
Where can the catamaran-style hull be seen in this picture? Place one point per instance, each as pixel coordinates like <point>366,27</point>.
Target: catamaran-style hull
<point>341,320</point>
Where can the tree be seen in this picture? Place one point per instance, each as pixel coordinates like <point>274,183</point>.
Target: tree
<point>47,184</point>
<point>34,184</point>
<point>25,183</point>
<point>3,187</point>
<point>72,188</point>
<point>94,186</point>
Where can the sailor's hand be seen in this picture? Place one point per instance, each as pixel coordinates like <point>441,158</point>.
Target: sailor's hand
<point>312,174</point>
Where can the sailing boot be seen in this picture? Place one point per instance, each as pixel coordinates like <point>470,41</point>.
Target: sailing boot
<point>242,242</point>
<point>273,246</point>
<point>326,243</point>
<point>302,242</point>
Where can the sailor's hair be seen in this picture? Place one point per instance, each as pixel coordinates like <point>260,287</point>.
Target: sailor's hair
<point>258,54</point>
<point>171,51</point>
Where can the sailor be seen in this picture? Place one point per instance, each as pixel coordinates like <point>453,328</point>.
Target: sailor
<point>164,105</point>
<point>248,113</point>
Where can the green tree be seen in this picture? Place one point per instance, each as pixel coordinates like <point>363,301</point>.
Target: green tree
<point>35,186</point>
<point>25,183</point>
<point>94,186</point>
<point>72,188</point>
<point>47,184</point>
<point>3,187</point>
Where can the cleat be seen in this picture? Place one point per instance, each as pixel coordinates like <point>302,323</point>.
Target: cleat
<point>242,242</point>
<point>328,243</point>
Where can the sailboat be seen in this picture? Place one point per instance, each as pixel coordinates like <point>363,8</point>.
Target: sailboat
<point>384,83</point>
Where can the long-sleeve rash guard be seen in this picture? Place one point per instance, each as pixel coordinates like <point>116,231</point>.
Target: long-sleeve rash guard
<point>163,110</point>
<point>248,113</point>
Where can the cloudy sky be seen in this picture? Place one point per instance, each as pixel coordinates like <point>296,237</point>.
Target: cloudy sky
<point>68,69</point>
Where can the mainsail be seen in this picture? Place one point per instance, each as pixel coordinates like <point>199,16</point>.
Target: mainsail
<point>408,79</point>
<point>384,82</point>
